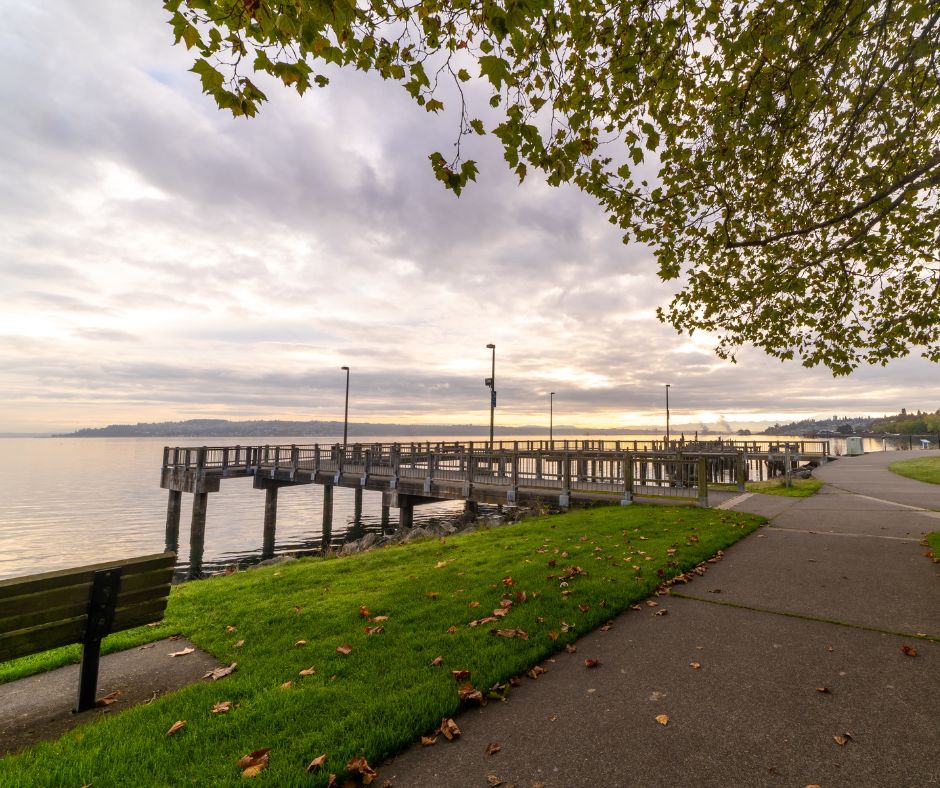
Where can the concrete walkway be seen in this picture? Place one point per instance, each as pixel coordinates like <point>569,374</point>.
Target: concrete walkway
<point>824,597</point>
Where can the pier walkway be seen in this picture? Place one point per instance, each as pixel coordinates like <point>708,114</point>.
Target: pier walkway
<point>556,473</point>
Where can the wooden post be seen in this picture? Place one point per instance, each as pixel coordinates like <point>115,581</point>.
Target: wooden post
<point>787,469</point>
<point>564,500</point>
<point>702,482</point>
<point>197,534</point>
<point>739,470</point>
<point>386,516</point>
<point>406,515</point>
<point>357,505</point>
<point>626,464</point>
<point>173,506</point>
<point>327,529</point>
<point>270,521</point>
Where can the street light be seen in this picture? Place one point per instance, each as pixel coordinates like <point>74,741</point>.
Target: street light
<point>491,382</point>
<point>346,412</point>
<point>551,408</point>
<point>667,415</point>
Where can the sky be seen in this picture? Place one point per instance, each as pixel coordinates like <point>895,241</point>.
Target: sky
<point>161,260</point>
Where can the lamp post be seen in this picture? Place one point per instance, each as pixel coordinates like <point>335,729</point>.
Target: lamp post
<point>667,415</point>
<point>346,412</point>
<point>491,382</point>
<point>551,409</point>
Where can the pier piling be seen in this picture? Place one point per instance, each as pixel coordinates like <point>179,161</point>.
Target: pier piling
<point>327,516</point>
<point>197,534</point>
<point>270,521</point>
<point>173,506</point>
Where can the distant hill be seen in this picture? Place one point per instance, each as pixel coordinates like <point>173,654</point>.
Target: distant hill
<point>222,428</point>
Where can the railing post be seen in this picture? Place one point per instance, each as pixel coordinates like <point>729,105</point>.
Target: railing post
<point>429,473</point>
<point>702,482</point>
<point>396,466</point>
<point>564,499</point>
<point>366,467</point>
<point>514,479</point>
<point>739,472</point>
<point>627,468</point>
<point>294,459</point>
<point>166,456</point>
<point>468,482</point>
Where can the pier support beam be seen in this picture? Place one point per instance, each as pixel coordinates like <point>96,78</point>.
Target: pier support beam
<point>327,517</point>
<point>197,534</point>
<point>386,516</point>
<point>471,507</point>
<point>357,506</point>
<point>406,515</point>
<point>173,506</point>
<point>270,521</point>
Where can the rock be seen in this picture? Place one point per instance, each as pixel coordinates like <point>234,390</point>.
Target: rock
<point>415,533</point>
<point>349,548</point>
<point>280,559</point>
<point>367,541</point>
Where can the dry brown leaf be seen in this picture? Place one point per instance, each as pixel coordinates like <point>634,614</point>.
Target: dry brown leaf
<point>592,663</point>
<point>451,629</point>
<point>515,681</point>
<point>842,739</point>
<point>436,661</point>
<point>309,671</point>
<point>316,763</point>
<point>695,665</point>
<point>493,747</point>
<point>183,652</point>
<point>301,643</point>
<point>462,674</point>
<point>584,607</point>
<point>448,728</point>
<point>345,650</point>
<point>230,628</point>
<point>501,612</point>
<point>253,764</point>
<point>571,648</point>
<point>662,719</point>
<point>662,612</point>
<point>107,700</point>
<point>824,690</point>
<point>432,594</point>
<point>379,618</point>
<point>374,630</point>
<point>331,783</point>
<point>552,634</point>
<point>507,581</point>
<point>239,644</point>
<point>521,596</point>
<point>364,611</point>
<point>651,603</point>
<point>510,633</point>
<point>176,726</point>
<point>535,671</point>
<point>287,685</point>
<point>361,766</point>
<point>220,673</point>
<point>297,608</point>
<point>492,779</point>
<point>222,707</point>
<point>467,692</point>
<point>909,651</point>
<point>428,741</point>
<point>607,627</point>
<point>473,604</point>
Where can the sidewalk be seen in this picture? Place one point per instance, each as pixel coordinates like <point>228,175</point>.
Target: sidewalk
<point>824,597</point>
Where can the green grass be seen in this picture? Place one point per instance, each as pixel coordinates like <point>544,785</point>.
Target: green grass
<point>923,470</point>
<point>802,488</point>
<point>385,693</point>
<point>933,542</point>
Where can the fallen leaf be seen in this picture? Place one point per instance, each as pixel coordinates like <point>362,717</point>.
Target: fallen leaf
<point>220,673</point>
<point>535,671</point>
<point>253,764</point>
<point>507,581</point>
<point>222,707</point>
<point>592,663</point>
<point>176,726</point>
<point>448,728</point>
<point>149,645</point>
<point>229,628</point>
<point>842,739</point>
<point>436,661</point>
<point>432,594</point>
<point>462,674</point>
<point>824,690</point>
<point>316,763</point>
<point>584,607</point>
<point>910,651</point>
<point>473,604</point>
<point>829,648</point>
<point>379,618</point>
<point>467,692</point>
<point>515,681</point>
<point>493,747</point>
<point>607,627</point>
<point>695,665</point>
<point>662,719</point>
<point>492,779</point>
<point>297,608</point>
<point>451,629</point>
<point>107,700</point>
<point>183,652</point>
<point>510,633</point>
<point>301,643</point>
<point>287,685</point>
<point>571,648</point>
<point>521,596</point>
<point>662,612</point>
<point>239,644</point>
<point>552,634</point>
<point>308,671</point>
<point>345,650</point>
<point>428,741</point>
<point>440,564</point>
<point>276,574</point>
<point>374,630</point>
<point>501,612</point>
<point>331,782</point>
<point>651,603</point>
<point>364,611</point>
<point>361,765</point>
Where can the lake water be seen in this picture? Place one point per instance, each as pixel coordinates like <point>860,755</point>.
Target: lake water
<point>71,501</point>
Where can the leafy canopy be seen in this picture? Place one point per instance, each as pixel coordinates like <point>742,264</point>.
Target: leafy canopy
<point>781,157</point>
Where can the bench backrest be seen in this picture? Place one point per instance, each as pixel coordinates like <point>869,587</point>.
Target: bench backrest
<point>40,612</point>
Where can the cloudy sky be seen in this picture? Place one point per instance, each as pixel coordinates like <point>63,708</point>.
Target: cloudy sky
<point>160,260</point>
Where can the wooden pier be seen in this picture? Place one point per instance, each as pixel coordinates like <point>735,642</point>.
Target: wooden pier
<point>513,473</point>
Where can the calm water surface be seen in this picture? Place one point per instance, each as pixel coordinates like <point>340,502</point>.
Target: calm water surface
<point>71,501</point>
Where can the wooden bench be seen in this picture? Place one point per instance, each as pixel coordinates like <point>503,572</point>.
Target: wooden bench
<point>82,605</point>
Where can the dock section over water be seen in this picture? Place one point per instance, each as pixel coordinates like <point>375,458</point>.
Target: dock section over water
<point>557,473</point>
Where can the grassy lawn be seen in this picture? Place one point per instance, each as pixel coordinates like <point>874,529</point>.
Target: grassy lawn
<point>563,574</point>
<point>925,470</point>
<point>802,488</point>
<point>933,542</point>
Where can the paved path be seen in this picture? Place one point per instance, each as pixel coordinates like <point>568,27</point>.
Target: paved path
<point>825,596</point>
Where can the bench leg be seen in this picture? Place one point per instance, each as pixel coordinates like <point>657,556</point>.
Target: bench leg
<point>88,675</point>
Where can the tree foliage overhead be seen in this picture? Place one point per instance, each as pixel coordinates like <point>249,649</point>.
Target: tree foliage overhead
<point>781,157</point>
